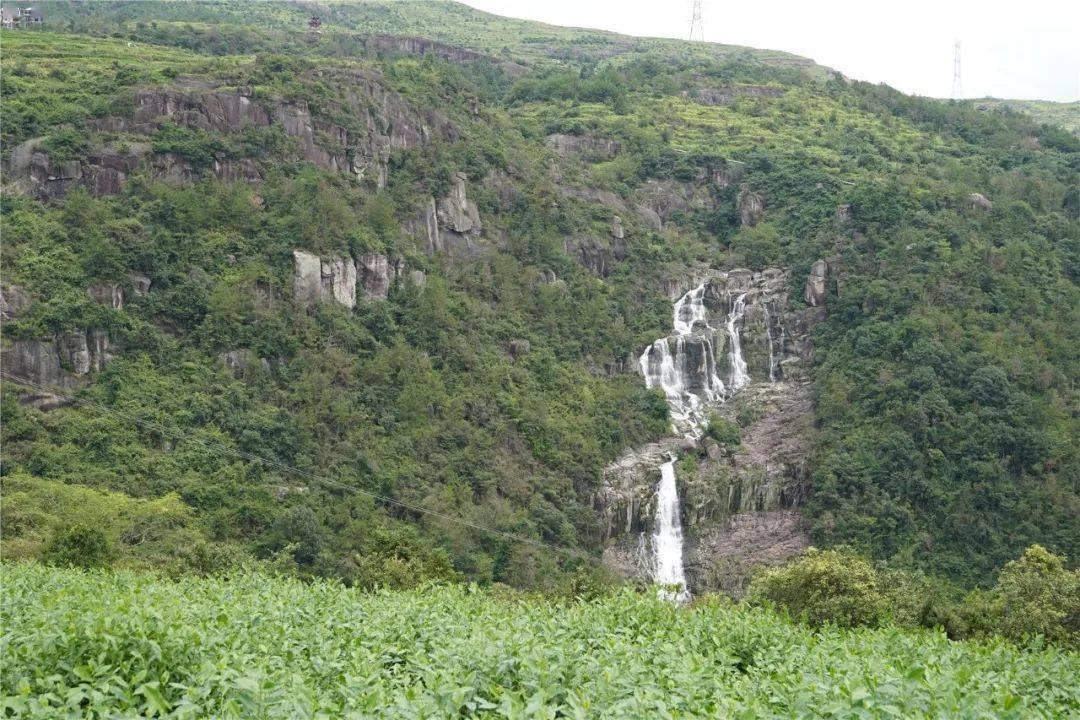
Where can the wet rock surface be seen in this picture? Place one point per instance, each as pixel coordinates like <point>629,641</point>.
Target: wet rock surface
<point>739,503</point>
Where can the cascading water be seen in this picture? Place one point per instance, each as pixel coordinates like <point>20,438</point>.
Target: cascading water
<point>769,340</point>
<point>692,386</point>
<point>688,376</point>
<point>739,376</point>
<point>667,540</point>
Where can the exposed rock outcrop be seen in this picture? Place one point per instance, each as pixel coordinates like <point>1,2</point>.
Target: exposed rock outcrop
<point>655,201</point>
<point>323,280</point>
<point>457,219</point>
<point>519,348</point>
<point>726,554</point>
<point>425,227</point>
<point>375,275</point>
<point>107,294</point>
<point>617,231</point>
<point>212,110</point>
<point>387,123</point>
<point>13,301</point>
<point>409,45</point>
<point>296,120</point>
<point>750,205</point>
<point>140,284</point>
<point>728,95</point>
<point>816,288</point>
<point>455,211</point>
<point>37,361</point>
<point>307,277</point>
<point>976,201</point>
<point>60,362</point>
<point>597,254</point>
<point>337,279</point>
<point>592,147</point>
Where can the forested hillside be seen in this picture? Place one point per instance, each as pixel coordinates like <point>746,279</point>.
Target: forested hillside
<point>417,251</point>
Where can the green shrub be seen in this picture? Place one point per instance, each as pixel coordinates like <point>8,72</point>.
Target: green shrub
<point>193,144</point>
<point>78,546</point>
<point>65,144</point>
<point>724,432</point>
<point>1038,595</point>
<point>823,586</point>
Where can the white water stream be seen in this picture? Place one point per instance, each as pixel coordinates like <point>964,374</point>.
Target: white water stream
<point>692,387</point>
<point>739,376</point>
<point>667,540</point>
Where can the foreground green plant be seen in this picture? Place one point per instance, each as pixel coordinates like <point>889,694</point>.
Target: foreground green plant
<point>98,644</point>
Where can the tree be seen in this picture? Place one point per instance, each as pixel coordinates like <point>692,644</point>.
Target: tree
<point>78,546</point>
<point>823,586</point>
<point>1038,595</point>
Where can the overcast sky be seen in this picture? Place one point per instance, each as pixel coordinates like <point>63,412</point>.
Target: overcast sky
<point>1026,49</point>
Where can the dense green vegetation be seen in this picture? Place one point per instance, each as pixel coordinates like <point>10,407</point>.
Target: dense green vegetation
<point>243,26</point>
<point>79,643</point>
<point>1035,595</point>
<point>1063,114</point>
<point>945,383</point>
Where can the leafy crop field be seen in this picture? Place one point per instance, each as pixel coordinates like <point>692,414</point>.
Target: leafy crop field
<point>114,644</point>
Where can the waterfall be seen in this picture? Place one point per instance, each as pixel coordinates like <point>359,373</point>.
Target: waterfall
<point>739,376</point>
<point>783,339</point>
<point>683,365</point>
<point>688,376</point>
<point>690,309</point>
<point>667,540</point>
<point>768,339</point>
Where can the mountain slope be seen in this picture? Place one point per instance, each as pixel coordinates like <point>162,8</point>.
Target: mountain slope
<point>1063,115</point>
<point>248,24</point>
<point>396,267</point>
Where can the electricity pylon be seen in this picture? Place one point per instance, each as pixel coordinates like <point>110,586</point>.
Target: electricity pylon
<point>957,88</point>
<point>695,23</point>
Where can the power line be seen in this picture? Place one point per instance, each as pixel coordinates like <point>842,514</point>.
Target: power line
<point>278,465</point>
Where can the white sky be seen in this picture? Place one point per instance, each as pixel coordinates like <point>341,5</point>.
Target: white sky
<point>1027,49</point>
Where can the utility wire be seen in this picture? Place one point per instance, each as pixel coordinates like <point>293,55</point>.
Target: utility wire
<point>278,465</point>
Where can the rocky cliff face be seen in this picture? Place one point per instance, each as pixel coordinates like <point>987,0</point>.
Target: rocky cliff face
<point>728,95</point>
<point>388,123</point>
<point>340,279</point>
<point>450,224</point>
<point>739,500</point>
<point>751,206</point>
<point>593,147</point>
<point>59,362</point>
<point>410,45</point>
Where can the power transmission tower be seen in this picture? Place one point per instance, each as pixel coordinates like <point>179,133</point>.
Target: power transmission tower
<point>957,88</point>
<point>695,23</point>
